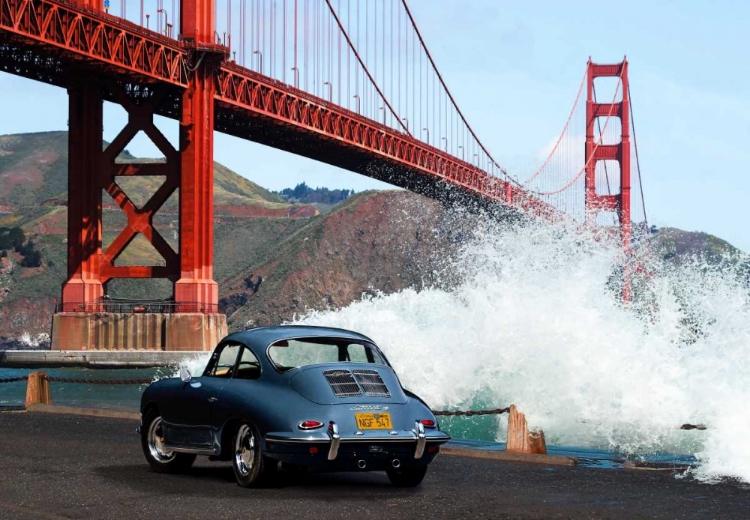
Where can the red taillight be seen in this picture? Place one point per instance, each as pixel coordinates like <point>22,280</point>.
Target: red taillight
<point>433,449</point>
<point>310,425</point>
<point>428,423</point>
<point>313,450</point>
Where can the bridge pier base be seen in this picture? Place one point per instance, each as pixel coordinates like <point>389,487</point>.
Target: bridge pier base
<point>132,331</point>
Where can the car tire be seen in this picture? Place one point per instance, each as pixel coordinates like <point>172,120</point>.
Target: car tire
<point>410,477</point>
<point>251,467</point>
<point>152,442</point>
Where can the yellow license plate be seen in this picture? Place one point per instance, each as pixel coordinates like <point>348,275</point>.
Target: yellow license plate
<point>373,421</point>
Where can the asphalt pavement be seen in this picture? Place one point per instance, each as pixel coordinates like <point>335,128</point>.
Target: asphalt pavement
<point>67,467</point>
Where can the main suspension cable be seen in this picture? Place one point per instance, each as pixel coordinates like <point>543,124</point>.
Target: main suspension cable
<point>450,95</point>
<point>364,67</point>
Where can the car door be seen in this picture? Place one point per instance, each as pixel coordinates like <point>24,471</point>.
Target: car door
<point>240,391</point>
<point>193,403</point>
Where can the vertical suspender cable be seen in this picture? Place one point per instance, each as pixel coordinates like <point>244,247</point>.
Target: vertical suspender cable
<point>637,158</point>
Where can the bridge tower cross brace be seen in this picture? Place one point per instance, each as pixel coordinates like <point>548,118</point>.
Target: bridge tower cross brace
<point>194,323</point>
<point>620,152</point>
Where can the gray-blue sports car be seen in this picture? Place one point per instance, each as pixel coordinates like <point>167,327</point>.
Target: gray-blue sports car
<point>291,396</point>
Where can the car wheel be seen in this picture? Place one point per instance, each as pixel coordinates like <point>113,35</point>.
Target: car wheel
<point>410,477</point>
<point>249,464</point>
<point>158,456</point>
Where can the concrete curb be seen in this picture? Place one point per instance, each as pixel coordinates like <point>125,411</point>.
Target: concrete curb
<point>95,359</point>
<point>85,412</point>
<point>550,460</point>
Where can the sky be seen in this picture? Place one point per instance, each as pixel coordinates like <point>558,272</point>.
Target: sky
<point>514,69</point>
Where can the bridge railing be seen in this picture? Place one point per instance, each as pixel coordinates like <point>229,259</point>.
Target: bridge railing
<point>139,307</point>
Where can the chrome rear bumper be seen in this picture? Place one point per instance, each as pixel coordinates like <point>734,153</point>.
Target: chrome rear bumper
<point>334,438</point>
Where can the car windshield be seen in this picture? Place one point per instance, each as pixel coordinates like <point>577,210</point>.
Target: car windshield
<point>289,354</point>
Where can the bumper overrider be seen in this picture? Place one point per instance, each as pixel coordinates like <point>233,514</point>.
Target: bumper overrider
<point>413,443</point>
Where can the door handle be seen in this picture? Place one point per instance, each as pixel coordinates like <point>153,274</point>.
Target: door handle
<point>213,399</point>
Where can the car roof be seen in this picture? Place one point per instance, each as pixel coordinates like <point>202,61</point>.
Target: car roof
<point>264,336</point>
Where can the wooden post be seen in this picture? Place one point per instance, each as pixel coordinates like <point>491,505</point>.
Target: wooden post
<point>518,432</point>
<point>520,439</point>
<point>537,443</point>
<point>37,389</point>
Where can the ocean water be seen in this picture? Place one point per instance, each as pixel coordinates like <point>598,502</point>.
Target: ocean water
<point>535,321</point>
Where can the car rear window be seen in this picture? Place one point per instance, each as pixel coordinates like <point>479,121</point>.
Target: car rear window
<point>288,354</point>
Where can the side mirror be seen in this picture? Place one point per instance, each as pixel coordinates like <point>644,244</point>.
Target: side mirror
<point>185,376</point>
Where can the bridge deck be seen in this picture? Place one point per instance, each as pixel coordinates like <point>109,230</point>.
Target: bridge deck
<point>75,467</point>
<point>58,43</point>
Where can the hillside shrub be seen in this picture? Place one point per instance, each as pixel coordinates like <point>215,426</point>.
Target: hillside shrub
<point>11,238</point>
<point>32,259</point>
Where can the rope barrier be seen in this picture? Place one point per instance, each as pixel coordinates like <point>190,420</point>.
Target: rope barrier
<point>14,379</point>
<point>469,413</point>
<point>100,381</point>
<point>443,413</point>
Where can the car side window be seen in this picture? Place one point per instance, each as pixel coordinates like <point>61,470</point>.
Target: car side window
<point>224,365</point>
<point>248,367</point>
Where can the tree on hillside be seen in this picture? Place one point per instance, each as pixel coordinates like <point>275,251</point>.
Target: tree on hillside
<point>305,194</point>
<point>32,259</point>
<point>11,238</point>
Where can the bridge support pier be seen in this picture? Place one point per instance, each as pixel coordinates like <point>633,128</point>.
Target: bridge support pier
<point>192,321</point>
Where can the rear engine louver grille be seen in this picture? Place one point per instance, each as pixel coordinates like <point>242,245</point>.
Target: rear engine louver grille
<point>344,383</point>
<point>371,383</point>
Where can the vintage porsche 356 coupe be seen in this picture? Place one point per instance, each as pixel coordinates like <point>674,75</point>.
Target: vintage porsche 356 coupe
<point>296,395</point>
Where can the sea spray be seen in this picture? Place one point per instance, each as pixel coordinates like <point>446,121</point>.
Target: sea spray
<point>536,320</point>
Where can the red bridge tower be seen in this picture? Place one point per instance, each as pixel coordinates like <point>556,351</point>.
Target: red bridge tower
<point>598,151</point>
<point>86,320</point>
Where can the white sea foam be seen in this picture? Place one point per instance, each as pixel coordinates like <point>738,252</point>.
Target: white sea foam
<point>534,323</point>
<point>34,340</point>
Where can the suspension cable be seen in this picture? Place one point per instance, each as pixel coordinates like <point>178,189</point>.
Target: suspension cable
<point>593,152</point>
<point>364,67</point>
<point>637,159</point>
<point>565,129</point>
<point>450,95</point>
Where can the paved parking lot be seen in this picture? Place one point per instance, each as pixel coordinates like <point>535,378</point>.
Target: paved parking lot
<point>66,467</point>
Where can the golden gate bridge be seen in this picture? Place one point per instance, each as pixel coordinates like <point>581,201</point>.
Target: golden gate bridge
<point>350,83</point>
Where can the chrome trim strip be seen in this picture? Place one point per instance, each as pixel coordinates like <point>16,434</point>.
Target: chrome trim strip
<point>421,440</point>
<point>272,438</point>
<point>333,431</point>
<point>196,451</point>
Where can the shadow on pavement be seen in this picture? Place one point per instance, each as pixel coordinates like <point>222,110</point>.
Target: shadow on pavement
<point>212,478</point>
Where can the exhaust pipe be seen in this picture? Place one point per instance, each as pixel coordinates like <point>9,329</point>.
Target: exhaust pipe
<point>361,464</point>
<point>396,463</point>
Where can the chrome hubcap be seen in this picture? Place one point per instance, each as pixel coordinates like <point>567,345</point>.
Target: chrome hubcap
<point>156,442</point>
<point>244,450</point>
